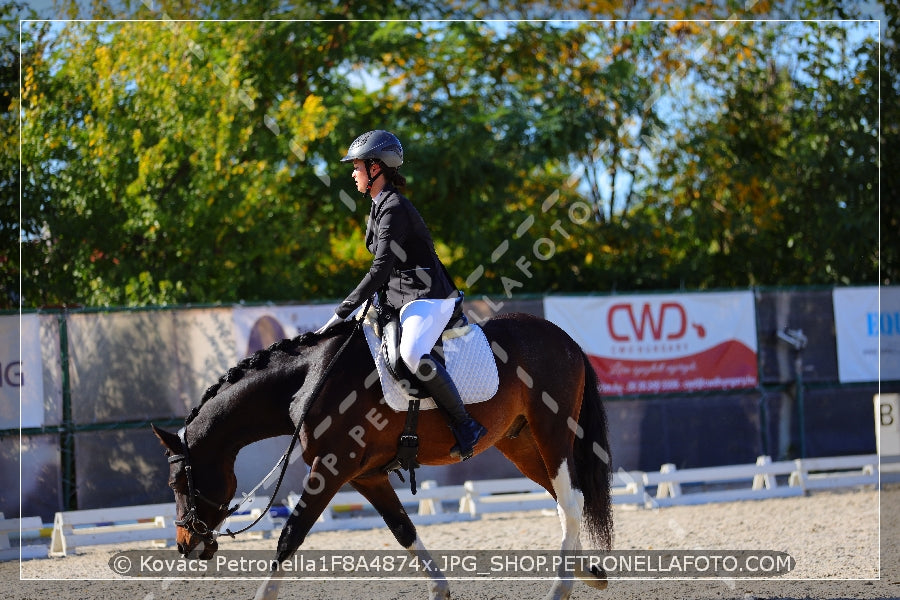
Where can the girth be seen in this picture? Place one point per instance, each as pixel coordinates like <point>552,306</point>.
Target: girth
<point>407,447</point>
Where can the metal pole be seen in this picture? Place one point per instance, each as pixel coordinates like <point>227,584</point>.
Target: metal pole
<point>67,435</point>
<point>798,368</point>
<point>797,340</point>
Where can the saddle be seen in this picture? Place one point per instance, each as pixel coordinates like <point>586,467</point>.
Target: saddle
<point>463,348</point>
<point>466,354</point>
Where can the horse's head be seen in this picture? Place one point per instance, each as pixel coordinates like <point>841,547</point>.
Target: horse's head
<point>203,488</point>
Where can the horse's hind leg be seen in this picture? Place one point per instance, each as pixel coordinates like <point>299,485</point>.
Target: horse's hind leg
<point>525,452</point>
<point>378,491</point>
<point>570,506</point>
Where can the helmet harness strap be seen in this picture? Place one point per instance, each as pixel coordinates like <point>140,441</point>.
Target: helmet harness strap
<point>369,162</point>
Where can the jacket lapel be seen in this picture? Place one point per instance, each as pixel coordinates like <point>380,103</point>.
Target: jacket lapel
<point>370,227</point>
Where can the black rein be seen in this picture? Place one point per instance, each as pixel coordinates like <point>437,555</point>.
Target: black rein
<point>197,527</point>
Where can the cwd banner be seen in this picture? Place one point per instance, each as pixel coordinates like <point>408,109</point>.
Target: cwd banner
<point>863,321</point>
<point>664,343</point>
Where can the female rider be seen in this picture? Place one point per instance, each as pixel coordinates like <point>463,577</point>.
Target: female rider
<point>406,277</point>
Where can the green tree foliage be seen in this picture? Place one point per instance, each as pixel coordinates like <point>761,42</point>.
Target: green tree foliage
<point>554,114</point>
<point>890,143</point>
<point>166,168</point>
<point>196,161</point>
<point>10,61</point>
<point>775,181</point>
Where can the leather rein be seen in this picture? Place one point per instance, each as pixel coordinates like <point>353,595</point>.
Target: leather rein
<point>196,526</point>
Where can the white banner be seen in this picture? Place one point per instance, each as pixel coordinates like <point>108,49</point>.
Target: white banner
<point>861,319</point>
<point>887,424</point>
<point>664,343</point>
<point>21,374</point>
<point>258,327</point>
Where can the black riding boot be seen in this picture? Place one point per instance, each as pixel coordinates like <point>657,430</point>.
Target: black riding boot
<point>437,383</point>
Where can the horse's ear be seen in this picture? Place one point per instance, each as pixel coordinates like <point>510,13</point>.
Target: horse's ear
<point>169,440</point>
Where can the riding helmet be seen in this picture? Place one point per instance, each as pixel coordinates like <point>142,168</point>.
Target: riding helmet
<point>378,144</point>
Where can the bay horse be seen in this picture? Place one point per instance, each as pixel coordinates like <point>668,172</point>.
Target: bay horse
<point>547,418</point>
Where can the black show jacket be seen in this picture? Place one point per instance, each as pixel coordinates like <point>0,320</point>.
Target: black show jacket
<point>405,267</point>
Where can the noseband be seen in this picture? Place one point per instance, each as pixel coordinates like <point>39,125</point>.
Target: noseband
<point>190,521</point>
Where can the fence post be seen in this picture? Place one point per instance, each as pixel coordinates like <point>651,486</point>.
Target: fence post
<point>67,433</point>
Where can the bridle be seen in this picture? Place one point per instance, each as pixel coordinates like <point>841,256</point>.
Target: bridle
<point>190,521</point>
<point>194,524</point>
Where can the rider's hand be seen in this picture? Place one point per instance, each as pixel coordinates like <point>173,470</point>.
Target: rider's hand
<point>334,320</point>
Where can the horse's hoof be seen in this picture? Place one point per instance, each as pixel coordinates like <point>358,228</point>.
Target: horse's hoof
<point>268,590</point>
<point>596,578</point>
<point>440,592</point>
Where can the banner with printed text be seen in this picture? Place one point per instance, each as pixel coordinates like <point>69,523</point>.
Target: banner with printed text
<point>664,343</point>
<point>258,327</point>
<point>863,321</point>
<point>21,380</point>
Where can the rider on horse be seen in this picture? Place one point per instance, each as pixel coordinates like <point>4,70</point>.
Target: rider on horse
<point>408,280</point>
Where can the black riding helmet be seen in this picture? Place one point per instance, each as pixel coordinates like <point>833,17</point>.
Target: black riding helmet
<point>376,145</point>
<point>379,145</point>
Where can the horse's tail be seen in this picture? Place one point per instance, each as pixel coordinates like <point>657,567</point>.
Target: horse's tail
<point>593,463</point>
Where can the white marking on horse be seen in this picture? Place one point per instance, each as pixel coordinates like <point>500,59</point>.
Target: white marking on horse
<point>268,589</point>
<point>438,587</point>
<point>570,507</point>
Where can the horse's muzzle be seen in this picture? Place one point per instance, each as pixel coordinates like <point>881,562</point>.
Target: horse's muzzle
<point>187,542</point>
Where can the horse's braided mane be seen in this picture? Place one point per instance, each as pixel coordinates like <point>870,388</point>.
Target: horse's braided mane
<point>260,360</point>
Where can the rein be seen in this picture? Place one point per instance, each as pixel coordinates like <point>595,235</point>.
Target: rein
<point>190,521</point>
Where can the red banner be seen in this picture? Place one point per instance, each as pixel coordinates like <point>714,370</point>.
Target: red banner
<point>662,344</point>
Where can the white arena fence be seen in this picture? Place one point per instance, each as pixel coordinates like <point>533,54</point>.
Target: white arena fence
<point>154,523</point>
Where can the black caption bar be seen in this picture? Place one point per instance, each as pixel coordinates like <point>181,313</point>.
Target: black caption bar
<point>528,564</point>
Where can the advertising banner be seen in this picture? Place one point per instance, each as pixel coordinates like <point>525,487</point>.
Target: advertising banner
<point>145,364</point>
<point>21,378</point>
<point>862,319</point>
<point>258,327</point>
<point>664,343</point>
<point>887,424</point>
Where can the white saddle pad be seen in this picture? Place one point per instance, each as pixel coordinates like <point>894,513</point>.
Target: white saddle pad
<point>468,358</point>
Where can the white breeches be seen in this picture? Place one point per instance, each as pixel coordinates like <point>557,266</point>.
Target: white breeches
<point>421,324</point>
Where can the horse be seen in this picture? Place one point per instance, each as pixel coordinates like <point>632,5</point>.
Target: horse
<point>547,417</point>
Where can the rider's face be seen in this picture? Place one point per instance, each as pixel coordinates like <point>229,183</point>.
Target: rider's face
<point>359,174</point>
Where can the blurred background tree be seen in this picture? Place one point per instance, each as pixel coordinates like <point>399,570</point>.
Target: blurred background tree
<point>180,160</point>
<point>890,143</point>
<point>10,61</point>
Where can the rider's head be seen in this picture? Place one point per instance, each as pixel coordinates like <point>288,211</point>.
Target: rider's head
<point>379,153</point>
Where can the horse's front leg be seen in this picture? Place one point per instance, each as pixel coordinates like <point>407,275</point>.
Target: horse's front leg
<point>319,488</point>
<point>378,491</point>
